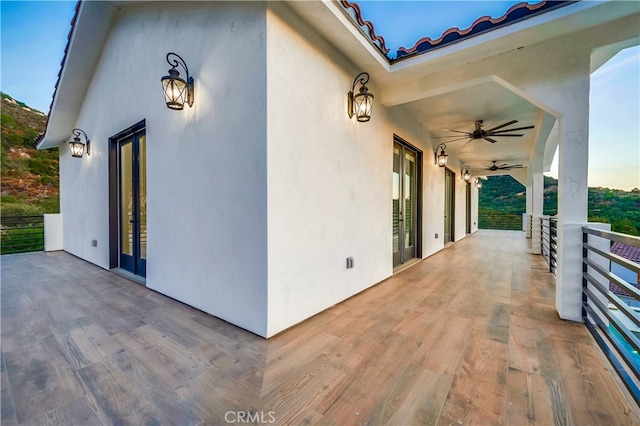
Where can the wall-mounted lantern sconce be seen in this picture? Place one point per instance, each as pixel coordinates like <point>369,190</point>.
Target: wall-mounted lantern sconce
<point>478,183</point>
<point>466,174</point>
<point>77,146</point>
<point>177,91</point>
<point>441,159</point>
<point>361,104</point>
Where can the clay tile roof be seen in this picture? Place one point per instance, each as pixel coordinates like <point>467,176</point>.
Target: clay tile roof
<point>353,10</point>
<point>628,252</point>
<point>481,25</point>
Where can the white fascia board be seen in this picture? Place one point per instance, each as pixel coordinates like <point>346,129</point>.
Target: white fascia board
<point>88,37</point>
<point>341,15</point>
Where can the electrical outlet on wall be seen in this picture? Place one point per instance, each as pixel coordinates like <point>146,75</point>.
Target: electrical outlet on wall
<point>350,262</point>
<point>94,243</point>
<point>436,235</point>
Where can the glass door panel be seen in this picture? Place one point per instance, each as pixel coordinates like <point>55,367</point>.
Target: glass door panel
<point>405,175</point>
<point>448,206</point>
<point>409,203</point>
<point>396,205</point>
<point>132,198</point>
<point>142,196</point>
<point>126,204</point>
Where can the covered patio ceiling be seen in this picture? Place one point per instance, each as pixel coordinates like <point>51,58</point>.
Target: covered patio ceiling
<point>444,89</point>
<point>488,99</point>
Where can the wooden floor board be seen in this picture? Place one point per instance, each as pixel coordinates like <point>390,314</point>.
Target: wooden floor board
<point>469,335</point>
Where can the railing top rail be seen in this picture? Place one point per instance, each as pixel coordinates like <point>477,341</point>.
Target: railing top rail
<point>630,240</point>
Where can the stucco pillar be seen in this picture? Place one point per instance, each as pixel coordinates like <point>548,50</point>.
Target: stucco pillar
<point>573,157</point>
<point>536,211</point>
<point>53,232</point>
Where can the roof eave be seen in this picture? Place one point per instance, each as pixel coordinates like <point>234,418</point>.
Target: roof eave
<point>90,28</point>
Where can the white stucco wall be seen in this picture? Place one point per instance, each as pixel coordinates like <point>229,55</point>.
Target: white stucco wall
<point>206,165</point>
<point>330,178</point>
<point>258,193</point>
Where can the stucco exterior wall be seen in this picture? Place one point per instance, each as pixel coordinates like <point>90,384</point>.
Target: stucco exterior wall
<point>206,165</point>
<point>258,193</point>
<point>330,178</point>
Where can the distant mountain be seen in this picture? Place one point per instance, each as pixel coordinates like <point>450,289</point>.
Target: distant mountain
<point>503,194</point>
<point>29,177</point>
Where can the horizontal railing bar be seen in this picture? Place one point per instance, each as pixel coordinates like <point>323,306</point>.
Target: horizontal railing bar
<point>622,351</point>
<point>622,329</point>
<point>614,258</point>
<point>613,236</point>
<point>633,291</point>
<point>615,362</point>
<point>613,298</point>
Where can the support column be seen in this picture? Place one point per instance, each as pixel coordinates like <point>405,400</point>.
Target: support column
<point>536,211</point>
<point>573,160</point>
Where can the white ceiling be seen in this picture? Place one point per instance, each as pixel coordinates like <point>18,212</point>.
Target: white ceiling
<point>459,107</point>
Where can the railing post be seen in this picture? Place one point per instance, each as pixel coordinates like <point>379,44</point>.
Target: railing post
<point>53,232</point>
<point>585,240</point>
<point>536,235</point>
<point>552,252</point>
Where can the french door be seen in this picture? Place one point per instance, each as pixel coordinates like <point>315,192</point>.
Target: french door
<point>449,206</point>
<point>406,175</point>
<point>132,202</point>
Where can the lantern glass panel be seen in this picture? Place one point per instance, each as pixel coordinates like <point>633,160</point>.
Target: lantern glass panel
<point>363,104</point>
<point>442,159</point>
<point>175,92</point>
<point>77,148</point>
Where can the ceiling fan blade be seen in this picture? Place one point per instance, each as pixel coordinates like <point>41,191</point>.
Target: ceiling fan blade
<point>458,140</point>
<point>468,142</point>
<point>489,139</point>
<point>502,125</point>
<point>492,134</point>
<point>457,131</point>
<point>513,130</point>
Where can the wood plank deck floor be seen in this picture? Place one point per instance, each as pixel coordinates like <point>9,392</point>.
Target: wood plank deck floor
<point>467,336</point>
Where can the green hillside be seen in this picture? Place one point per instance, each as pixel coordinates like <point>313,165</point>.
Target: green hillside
<point>29,177</point>
<point>502,195</point>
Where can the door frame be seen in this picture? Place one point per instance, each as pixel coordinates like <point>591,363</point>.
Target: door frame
<point>468,207</point>
<point>114,184</point>
<point>419,173</point>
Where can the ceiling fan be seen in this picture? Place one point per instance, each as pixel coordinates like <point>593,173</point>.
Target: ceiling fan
<point>489,134</point>
<point>494,167</point>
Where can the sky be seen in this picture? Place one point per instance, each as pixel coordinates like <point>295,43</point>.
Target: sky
<point>34,35</point>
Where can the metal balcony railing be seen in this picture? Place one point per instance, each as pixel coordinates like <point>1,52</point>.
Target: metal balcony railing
<point>613,319</point>
<point>499,220</point>
<point>549,242</point>
<point>20,234</point>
